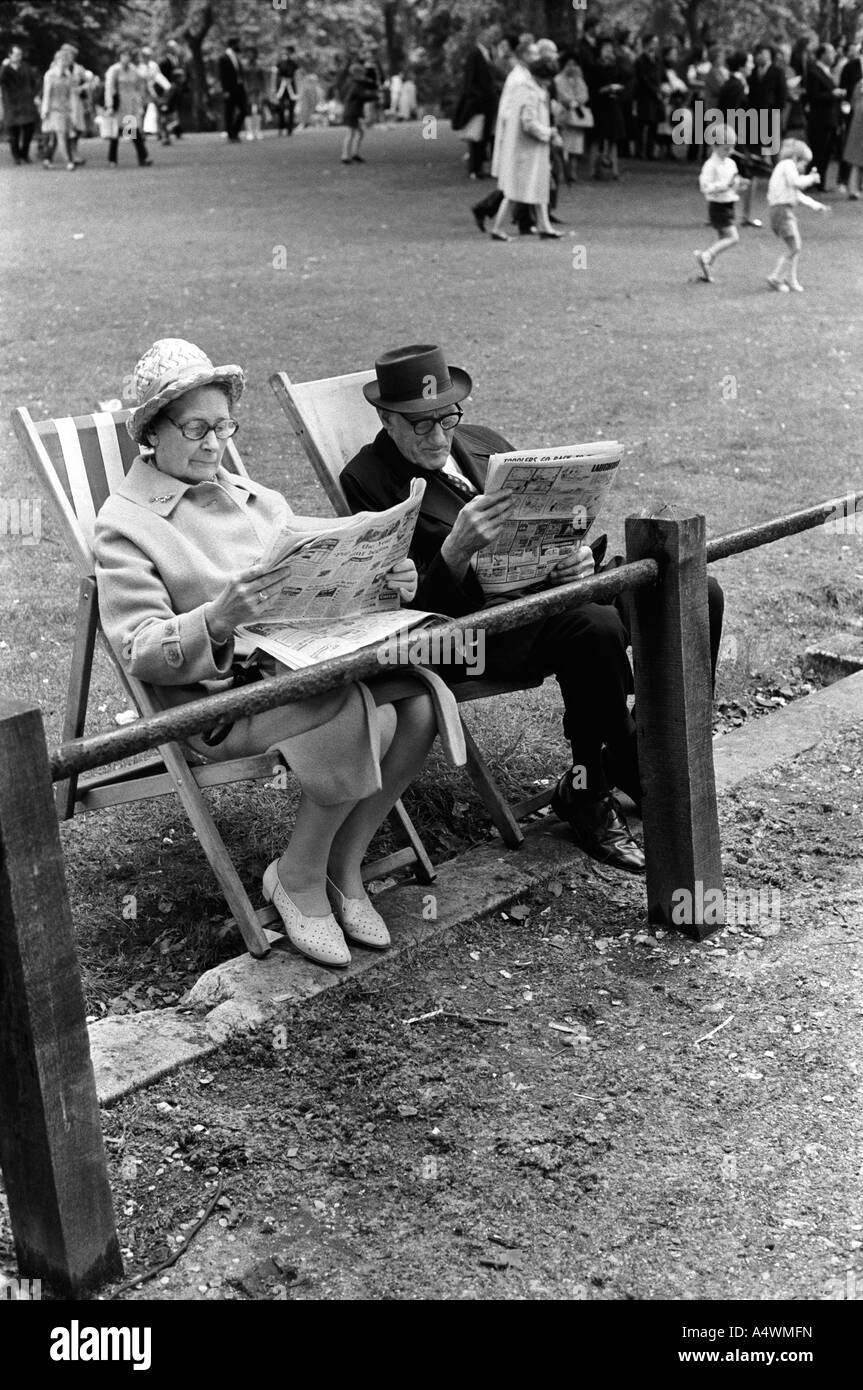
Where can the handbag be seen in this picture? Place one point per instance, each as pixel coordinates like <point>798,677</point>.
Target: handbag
<point>580,118</point>
<point>474,129</point>
<point>243,672</point>
<point>151,119</point>
<point>107,125</point>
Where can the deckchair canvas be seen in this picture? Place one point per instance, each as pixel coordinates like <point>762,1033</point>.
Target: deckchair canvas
<point>79,462</point>
<point>333,420</point>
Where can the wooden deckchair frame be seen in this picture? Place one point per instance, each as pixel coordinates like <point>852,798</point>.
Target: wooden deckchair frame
<point>175,769</point>
<point>332,420</point>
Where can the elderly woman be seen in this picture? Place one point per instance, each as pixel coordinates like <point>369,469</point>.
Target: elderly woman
<point>176,547</point>
<point>522,143</point>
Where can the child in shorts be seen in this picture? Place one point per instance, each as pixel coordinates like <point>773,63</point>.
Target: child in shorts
<point>721,185</point>
<point>359,91</point>
<point>784,192</point>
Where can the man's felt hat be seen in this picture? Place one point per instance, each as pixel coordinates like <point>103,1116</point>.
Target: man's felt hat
<point>169,369</point>
<point>416,380</point>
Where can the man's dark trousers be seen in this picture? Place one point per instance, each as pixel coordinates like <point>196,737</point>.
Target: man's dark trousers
<point>489,205</point>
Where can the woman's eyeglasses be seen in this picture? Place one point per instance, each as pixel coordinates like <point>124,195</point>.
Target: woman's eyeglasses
<point>198,429</point>
<point>446,422</point>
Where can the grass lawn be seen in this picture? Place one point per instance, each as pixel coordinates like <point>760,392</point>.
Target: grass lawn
<point>730,400</point>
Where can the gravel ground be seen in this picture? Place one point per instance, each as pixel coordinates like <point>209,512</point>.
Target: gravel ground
<point>560,1127</point>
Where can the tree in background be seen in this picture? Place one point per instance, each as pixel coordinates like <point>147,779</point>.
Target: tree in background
<point>197,25</point>
<point>42,29</point>
<point>433,36</point>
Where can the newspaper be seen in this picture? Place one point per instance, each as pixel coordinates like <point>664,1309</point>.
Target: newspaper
<point>334,598</point>
<point>558,494</point>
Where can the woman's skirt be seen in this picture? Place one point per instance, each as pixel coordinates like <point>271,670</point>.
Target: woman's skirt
<point>332,741</point>
<point>57,123</point>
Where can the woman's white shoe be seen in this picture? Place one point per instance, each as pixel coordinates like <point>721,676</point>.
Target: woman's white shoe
<point>319,938</point>
<point>358,919</point>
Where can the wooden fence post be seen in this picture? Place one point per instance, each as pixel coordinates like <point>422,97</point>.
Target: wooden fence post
<point>674,703</point>
<point>51,1151</point>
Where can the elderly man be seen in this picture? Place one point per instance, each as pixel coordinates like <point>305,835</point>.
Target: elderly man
<point>417,397</point>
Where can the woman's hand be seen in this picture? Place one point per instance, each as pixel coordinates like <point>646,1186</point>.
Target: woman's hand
<point>403,578</point>
<point>579,564</point>
<point>246,597</point>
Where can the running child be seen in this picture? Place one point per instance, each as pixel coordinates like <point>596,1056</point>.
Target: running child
<point>359,91</point>
<point>784,192</point>
<point>721,185</point>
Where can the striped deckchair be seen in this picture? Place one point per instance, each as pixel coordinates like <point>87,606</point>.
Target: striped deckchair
<point>79,461</point>
<point>333,420</point>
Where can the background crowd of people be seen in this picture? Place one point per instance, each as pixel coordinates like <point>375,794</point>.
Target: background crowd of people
<point>145,96</point>
<point>608,99</point>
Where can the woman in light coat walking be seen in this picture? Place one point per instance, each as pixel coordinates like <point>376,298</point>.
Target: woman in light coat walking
<point>56,110</point>
<point>522,149</point>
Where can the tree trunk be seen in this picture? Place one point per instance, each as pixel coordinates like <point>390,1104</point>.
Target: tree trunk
<point>392,37</point>
<point>691,16</point>
<point>198,23</point>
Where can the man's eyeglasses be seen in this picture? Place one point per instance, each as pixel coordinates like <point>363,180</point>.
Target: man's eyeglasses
<point>446,422</point>
<point>198,429</point>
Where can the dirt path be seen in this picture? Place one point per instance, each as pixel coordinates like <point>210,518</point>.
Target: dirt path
<point>483,1154</point>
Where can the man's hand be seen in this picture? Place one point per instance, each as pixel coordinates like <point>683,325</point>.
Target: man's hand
<point>579,565</point>
<point>404,579</point>
<point>478,524</point>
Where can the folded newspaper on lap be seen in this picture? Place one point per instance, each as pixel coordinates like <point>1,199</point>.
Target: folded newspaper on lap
<point>334,598</point>
<point>558,494</point>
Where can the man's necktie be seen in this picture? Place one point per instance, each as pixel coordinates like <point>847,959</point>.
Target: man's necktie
<point>463,488</point>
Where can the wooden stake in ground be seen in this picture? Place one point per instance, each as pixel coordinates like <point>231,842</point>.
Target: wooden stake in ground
<point>51,1150</point>
<point>674,705</point>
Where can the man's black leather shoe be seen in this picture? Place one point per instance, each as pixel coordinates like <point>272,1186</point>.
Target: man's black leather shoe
<point>598,828</point>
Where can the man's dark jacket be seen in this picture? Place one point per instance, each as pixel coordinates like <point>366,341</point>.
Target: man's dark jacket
<point>823,104</point>
<point>768,91</point>
<point>850,75</point>
<point>230,76</point>
<point>379,476</point>
<point>479,92</point>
